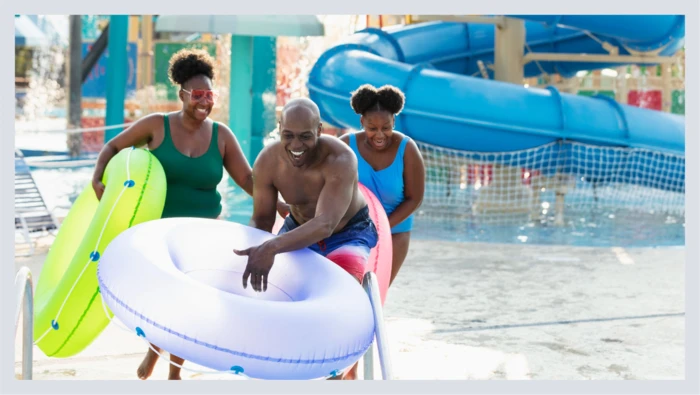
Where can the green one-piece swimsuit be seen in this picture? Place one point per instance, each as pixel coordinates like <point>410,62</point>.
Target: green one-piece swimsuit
<point>191,182</point>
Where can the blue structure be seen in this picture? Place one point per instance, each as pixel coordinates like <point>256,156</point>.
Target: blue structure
<point>95,86</point>
<point>117,70</point>
<point>433,63</point>
<point>264,92</point>
<point>253,61</point>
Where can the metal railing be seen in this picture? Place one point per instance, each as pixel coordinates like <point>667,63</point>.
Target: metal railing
<point>370,285</point>
<point>25,304</point>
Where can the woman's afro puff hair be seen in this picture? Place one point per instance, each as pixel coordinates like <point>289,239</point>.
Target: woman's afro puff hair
<point>188,63</point>
<point>368,98</point>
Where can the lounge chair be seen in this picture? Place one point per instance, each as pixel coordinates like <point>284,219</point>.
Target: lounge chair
<point>31,213</point>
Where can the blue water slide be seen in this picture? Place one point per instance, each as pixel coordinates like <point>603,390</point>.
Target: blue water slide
<point>641,33</point>
<point>435,64</point>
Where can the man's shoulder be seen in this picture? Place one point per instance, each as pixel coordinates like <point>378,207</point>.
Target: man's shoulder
<point>336,146</point>
<point>340,155</point>
<point>267,155</point>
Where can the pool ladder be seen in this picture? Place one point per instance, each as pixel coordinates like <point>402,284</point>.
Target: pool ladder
<point>370,285</point>
<point>25,305</point>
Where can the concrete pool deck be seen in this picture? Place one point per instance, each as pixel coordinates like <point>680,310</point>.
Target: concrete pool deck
<point>485,312</point>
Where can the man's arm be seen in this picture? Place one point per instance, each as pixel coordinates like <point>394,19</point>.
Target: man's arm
<point>264,193</point>
<point>332,204</point>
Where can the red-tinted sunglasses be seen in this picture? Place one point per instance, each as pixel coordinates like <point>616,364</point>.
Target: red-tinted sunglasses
<point>201,94</point>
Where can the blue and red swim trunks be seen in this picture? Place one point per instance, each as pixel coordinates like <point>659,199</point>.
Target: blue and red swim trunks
<point>350,247</point>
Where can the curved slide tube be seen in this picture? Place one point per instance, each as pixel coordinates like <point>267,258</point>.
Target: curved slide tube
<point>69,311</point>
<point>446,107</point>
<point>632,33</point>
<point>457,47</point>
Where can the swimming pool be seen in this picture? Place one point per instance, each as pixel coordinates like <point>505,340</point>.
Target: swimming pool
<point>583,227</point>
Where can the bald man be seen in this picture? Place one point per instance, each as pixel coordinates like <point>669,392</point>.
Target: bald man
<point>317,176</point>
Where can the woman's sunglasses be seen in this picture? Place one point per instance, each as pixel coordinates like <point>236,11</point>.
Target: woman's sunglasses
<point>201,94</point>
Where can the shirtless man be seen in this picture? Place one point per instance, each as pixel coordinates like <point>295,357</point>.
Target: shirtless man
<point>317,176</point>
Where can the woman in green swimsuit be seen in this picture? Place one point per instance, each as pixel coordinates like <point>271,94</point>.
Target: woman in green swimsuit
<point>193,151</point>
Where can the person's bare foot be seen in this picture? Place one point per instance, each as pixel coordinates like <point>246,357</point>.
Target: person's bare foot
<point>146,368</point>
<point>175,367</point>
<point>351,374</point>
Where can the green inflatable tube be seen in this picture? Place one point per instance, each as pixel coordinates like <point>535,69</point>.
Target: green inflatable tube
<point>68,305</point>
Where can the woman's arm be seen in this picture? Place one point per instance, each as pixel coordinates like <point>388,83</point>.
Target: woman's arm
<point>414,184</point>
<point>136,135</point>
<point>235,161</point>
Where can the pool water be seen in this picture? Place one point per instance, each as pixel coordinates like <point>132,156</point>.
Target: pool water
<point>603,228</point>
<point>609,229</point>
<point>60,187</point>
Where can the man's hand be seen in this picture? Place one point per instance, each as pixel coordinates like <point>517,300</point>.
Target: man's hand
<point>260,260</point>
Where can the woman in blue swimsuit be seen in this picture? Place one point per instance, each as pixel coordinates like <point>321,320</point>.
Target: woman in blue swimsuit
<point>388,162</point>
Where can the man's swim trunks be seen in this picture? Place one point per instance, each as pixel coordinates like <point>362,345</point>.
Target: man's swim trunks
<point>349,248</point>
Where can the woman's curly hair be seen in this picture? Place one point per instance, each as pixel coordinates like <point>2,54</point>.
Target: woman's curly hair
<point>187,63</point>
<point>368,98</point>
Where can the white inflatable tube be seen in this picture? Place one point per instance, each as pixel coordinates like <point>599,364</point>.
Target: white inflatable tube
<point>178,283</point>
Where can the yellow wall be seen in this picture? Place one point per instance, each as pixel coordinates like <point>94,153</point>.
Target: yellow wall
<point>134,28</point>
